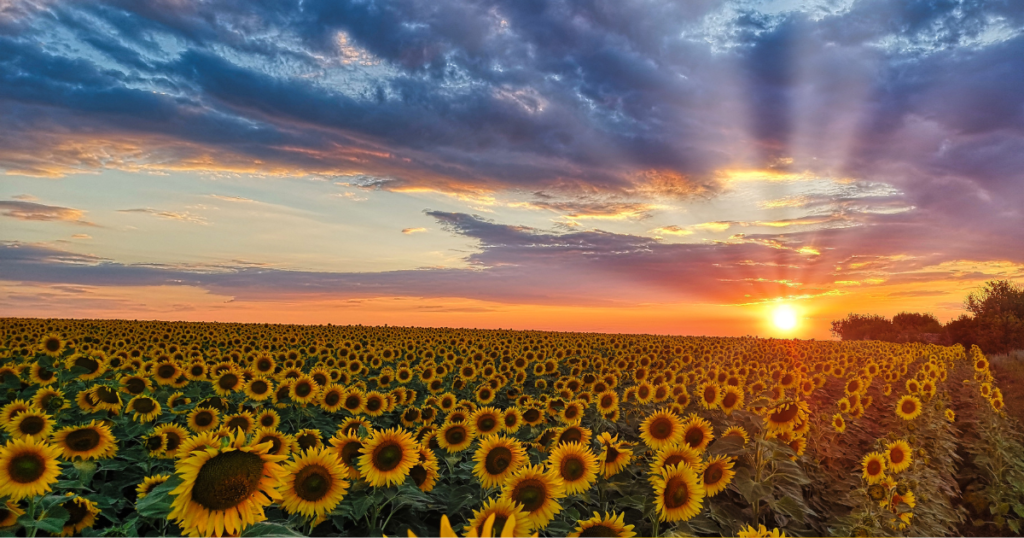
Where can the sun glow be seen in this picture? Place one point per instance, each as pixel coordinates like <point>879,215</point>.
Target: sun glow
<point>785,317</point>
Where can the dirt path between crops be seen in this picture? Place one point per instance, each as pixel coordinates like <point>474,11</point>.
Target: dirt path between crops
<point>1009,374</point>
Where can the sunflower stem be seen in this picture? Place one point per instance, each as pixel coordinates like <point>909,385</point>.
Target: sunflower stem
<point>32,515</point>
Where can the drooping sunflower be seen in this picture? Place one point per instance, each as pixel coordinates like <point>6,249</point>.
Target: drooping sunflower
<point>661,429</point>
<point>737,431</point>
<point>28,467</point>
<point>455,437</point>
<point>717,474</point>
<point>224,490</point>
<point>786,416</point>
<point>576,465</point>
<point>679,495</point>
<point>150,483</point>
<point>697,433</point>
<point>609,525</point>
<point>30,423</point>
<point>106,399</point>
<point>486,421</point>
<point>425,472</point>
<point>9,514</point>
<point>898,455</point>
<point>90,441</point>
<point>538,493</point>
<point>347,447</point>
<point>497,458</point>
<point>614,455</point>
<point>314,484</point>
<point>908,407</point>
<point>502,511</point>
<point>387,457</point>
<point>82,514</point>
<point>874,467</point>
<point>176,403</point>
<point>203,419</point>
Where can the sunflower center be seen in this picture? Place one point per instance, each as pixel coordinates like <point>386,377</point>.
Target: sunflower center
<point>373,404</point>
<point>661,428</point>
<point>896,455</point>
<point>307,441</point>
<point>673,460</point>
<point>135,385</point>
<point>350,452</point>
<point>352,402</point>
<point>227,381</point>
<point>694,437</point>
<point>531,415</point>
<point>571,435</point>
<point>531,494</point>
<point>387,456</point>
<point>155,443</point>
<point>729,400</point>
<point>785,414</point>
<point>419,475</point>
<point>710,394</point>
<point>144,405</point>
<point>313,482</point>
<point>275,443</point>
<point>259,387</point>
<point>204,418</point>
<point>599,530</point>
<point>497,460</point>
<point>303,389</point>
<point>78,510</point>
<point>32,425</point>
<point>510,420</point>
<point>909,407</point>
<point>676,493</point>
<point>106,395</point>
<point>874,467</point>
<point>332,399</point>
<point>267,420</point>
<point>165,371</point>
<point>607,402</point>
<point>173,440</point>
<point>572,469</point>
<point>227,479</point>
<point>52,345</point>
<point>26,468</point>
<point>83,440</point>
<point>455,436</point>
<point>612,455</point>
<point>713,475</point>
<point>486,424</point>
<point>88,363</point>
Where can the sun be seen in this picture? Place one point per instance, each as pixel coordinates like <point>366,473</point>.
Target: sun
<point>785,317</point>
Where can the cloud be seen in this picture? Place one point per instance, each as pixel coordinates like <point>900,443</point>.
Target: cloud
<point>236,199</point>
<point>408,231</point>
<point>170,215</point>
<point>31,211</point>
<point>81,236</point>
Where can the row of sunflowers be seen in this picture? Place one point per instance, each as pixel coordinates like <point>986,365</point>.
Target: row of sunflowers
<point>117,428</point>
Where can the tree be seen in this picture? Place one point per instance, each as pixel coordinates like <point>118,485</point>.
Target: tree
<point>864,327</point>
<point>995,321</point>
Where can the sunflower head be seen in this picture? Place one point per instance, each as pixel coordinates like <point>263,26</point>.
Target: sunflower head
<point>898,456</point>
<point>496,516</point>
<point>28,467</point>
<point>455,437</point>
<point>717,474</point>
<point>387,457</point>
<point>873,466</point>
<point>661,429</point>
<point>697,433</point>
<point>609,525</point>
<point>679,495</point>
<point>908,407</point>
<point>86,442</point>
<point>497,458</point>
<point>537,492</point>
<point>314,483</point>
<point>575,465</point>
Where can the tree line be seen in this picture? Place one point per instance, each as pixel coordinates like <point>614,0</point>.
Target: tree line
<point>994,321</point>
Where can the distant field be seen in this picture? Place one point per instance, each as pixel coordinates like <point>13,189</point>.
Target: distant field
<point>117,428</point>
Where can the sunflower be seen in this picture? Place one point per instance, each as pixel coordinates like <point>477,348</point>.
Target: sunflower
<point>874,467</point>
<point>148,484</point>
<point>573,433</point>
<point>94,365</point>
<point>258,388</point>
<point>950,415</point>
<point>697,433</point>
<point>314,484</point>
<point>710,395</point>
<point>661,429</point>
<point>30,423</point>
<point>203,419</point>
<point>176,402</point>
<point>28,467</point>
<point>332,398</point>
<point>387,456</point>
<point>609,525</point>
<point>497,458</point>
<point>512,419</point>
<point>455,437</point>
<point>49,399</point>
<point>908,407</point>
<point>679,495</point>
<point>227,383</point>
<point>533,416</point>
<point>347,447</point>
<point>268,418</point>
<point>53,345</point>
<point>166,372</point>
<point>82,514</point>
<point>106,399</point>
<point>737,431</point>
<point>572,412</point>
<point>85,442</point>
<point>499,512</point>
<point>537,492</point>
<point>242,420</point>
<point>280,443</point>
<point>671,455</point>
<point>425,472</point>
<point>9,514</point>
<point>576,465</point>
<point>838,423</point>
<point>786,416</point>
<point>607,401</point>
<point>760,532</point>
<point>144,409</point>
<point>225,489</point>
<point>717,474</point>
<point>41,375</point>
<point>486,421</point>
<point>304,390</point>
<point>200,442</point>
<point>308,438</point>
<point>13,409</point>
<point>614,457</point>
<point>898,456</point>
<point>732,399</point>
<point>376,404</point>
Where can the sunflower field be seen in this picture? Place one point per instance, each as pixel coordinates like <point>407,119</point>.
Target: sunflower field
<point>122,428</point>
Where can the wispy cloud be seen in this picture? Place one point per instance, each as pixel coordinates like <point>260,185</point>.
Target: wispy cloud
<point>31,211</point>
<point>184,216</point>
<point>413,230</point>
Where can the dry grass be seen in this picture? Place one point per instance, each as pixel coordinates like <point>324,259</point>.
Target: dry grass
<point>1009,372</point>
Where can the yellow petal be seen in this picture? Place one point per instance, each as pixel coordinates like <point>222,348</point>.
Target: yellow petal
<point>488,526</point>
<point>446,528</point>
<point>509,528</point>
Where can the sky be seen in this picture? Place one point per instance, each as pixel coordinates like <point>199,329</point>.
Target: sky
<point>616,166</point>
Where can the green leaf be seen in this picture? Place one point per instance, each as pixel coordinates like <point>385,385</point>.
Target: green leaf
<point>158,503</point>
<point>51,524</point>
<point>266,528</point>
<point>731,445</point>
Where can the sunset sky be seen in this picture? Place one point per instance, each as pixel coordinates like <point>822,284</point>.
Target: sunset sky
<point>680,167</point>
